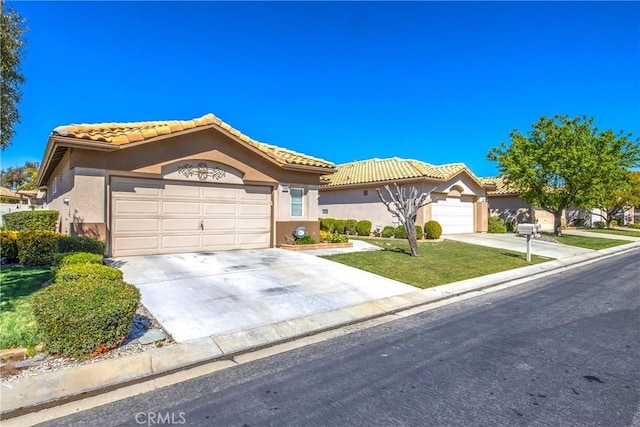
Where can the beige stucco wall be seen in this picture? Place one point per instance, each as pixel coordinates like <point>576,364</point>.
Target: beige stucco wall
<point>64,190</point>
<point>514,209</point>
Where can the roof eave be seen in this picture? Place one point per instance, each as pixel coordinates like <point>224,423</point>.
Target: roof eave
<point>381,183</point>
<point>322,170</point>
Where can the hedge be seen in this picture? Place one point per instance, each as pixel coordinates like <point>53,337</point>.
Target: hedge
<point>75,272</point>
<point>635,225</point>
<point>327,224</point>
<point>363,227</point>
<point>387,231</point>
<point>80,244</point>
<point>351,227</point>
<point>419,232</point>
<point>432,230</point>
<point>339,226</point>
<point>496,225</point>
<point>9,245</point>
<point>70,258</point>
<point>31,220</point>
<point>85,317</point>
<point>37,247</point>
<point>399,232</point>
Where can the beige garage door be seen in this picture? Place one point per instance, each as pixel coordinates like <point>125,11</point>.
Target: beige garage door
<point>155,217</point>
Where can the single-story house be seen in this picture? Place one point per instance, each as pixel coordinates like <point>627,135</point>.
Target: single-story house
<point>178,186</point>
<point>457,198</point>
<point>505,202</point>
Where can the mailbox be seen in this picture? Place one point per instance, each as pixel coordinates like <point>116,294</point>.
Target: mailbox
<point>528,229</point>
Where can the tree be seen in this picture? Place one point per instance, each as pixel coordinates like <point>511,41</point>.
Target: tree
<point>12,46</point>
<point>20,177</point>
<point>562,162</point>
<point>404,204</point>
<point>616,196</point>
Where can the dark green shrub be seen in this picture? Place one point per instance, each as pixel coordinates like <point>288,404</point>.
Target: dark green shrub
<point>399,232</point>
<point>599,224</point>
<point>75,272</point>
<point>432,230</point>
<point>9,200</point>
<point>80,244</point>
<point>340,224</point>
<point>387,231</point>
<point>37,247</point>
<point>418,232</point>
<point>635,225</point>
<point>351,227</point>
<point>31,220</point>
<point>496,225</point>
<point>306,240</point>
<point>337,238</point>
<point>85,317</point>
<point>9,245</point>
<point>327,224</point>
<point>363,228</point>
<point>69,258</point>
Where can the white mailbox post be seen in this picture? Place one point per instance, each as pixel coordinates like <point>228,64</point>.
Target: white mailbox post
<point>529,230</point>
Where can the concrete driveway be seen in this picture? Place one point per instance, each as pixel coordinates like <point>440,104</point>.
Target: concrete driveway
<point>199,295</point>
<point>512,242</point>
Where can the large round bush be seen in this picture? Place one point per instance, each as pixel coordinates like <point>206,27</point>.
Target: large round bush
<point>432,230</point>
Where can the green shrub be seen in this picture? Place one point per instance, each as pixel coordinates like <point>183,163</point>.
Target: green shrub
<point>327,224</point>
<point>363,228</point>
<point>9,200</point>
<point>351,227</point>
<point>31,220</point>
<point>37,247</point>
<point>85,317</point>
<point>418,232</point>
<point>324,236</point>
<point>9,245</point>
<point>340,224</point>
<point>80,244</point>
<point>614,223</point>
<point>496,225</point>
<point>306,240</point>
<point>432,230</point>
<point>338,238</point>
<point>75,272</point>
<point>387,231</point>
<point>399,232</point>
<point>69,258</point>
<point>599,224</point>
<point>635,225</point>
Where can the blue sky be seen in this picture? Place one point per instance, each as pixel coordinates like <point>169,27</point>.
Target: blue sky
<point>439,82</point>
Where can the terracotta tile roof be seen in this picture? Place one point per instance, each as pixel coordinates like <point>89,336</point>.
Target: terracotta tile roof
<point>7,192</point>
<point>502,187</point>
<point>126,133</point>
<point>375,170</point>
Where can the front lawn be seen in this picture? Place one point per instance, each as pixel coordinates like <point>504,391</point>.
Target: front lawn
<point>588,242</point>
<point>439,263</point>
<point>17,322</point>
<point>613,231</point>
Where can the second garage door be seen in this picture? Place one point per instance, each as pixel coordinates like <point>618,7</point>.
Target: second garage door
<point>155,217</point>
<point>454,215</point>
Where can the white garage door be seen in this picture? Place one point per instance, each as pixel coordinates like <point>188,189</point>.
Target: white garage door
<point>154,217</point>
<point>454,215</point>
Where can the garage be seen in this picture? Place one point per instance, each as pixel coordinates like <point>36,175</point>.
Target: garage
<point>156,216</point>
<point>454,214</point>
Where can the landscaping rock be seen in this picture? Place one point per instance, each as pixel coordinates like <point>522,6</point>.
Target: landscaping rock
<point>30,362</point>
<point>151,336</point>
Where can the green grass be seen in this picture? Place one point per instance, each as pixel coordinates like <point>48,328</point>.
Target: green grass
<point>17,322</point>
<point>439,263</point>
<point>588,242</point>
<point>613,231</point>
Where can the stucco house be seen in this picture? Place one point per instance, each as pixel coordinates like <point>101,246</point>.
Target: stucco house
<point>457,198</point>
<point>178,186</point>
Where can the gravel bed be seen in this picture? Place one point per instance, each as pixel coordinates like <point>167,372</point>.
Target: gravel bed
<point>51,363</point>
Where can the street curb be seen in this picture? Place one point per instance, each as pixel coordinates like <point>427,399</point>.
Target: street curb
<point>31,394</point>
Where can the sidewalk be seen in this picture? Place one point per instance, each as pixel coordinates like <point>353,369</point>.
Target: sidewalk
<point>25,395</point>
<point>601,235</point>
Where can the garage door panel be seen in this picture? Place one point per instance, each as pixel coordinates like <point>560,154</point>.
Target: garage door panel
<point>133,225</point>
<point>181,241</point>
<point>220,209</point>
<point>137,207</point>
<point>169,217</point>
<point>454,215</point>
<point>181,208</point>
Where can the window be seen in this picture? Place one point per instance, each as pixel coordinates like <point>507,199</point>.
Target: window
<point>325,211</point>
<point>365,193</point>
<point>297,195</point>
<point>55,186</point>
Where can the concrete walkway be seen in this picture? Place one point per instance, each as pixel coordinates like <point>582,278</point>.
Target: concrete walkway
<point>30,394</point>
<point>358,246</point>
<point>601,235</point>
<point>512,242</point>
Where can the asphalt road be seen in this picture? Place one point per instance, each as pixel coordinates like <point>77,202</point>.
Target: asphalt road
<point>558,351</point>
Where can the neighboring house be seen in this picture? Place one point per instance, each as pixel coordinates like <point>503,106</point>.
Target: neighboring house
<point>178,186</point>
<point>456,196</point>
<point>506,203</point>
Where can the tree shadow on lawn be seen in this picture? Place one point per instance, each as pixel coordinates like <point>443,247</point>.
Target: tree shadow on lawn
<point>20,282</point>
